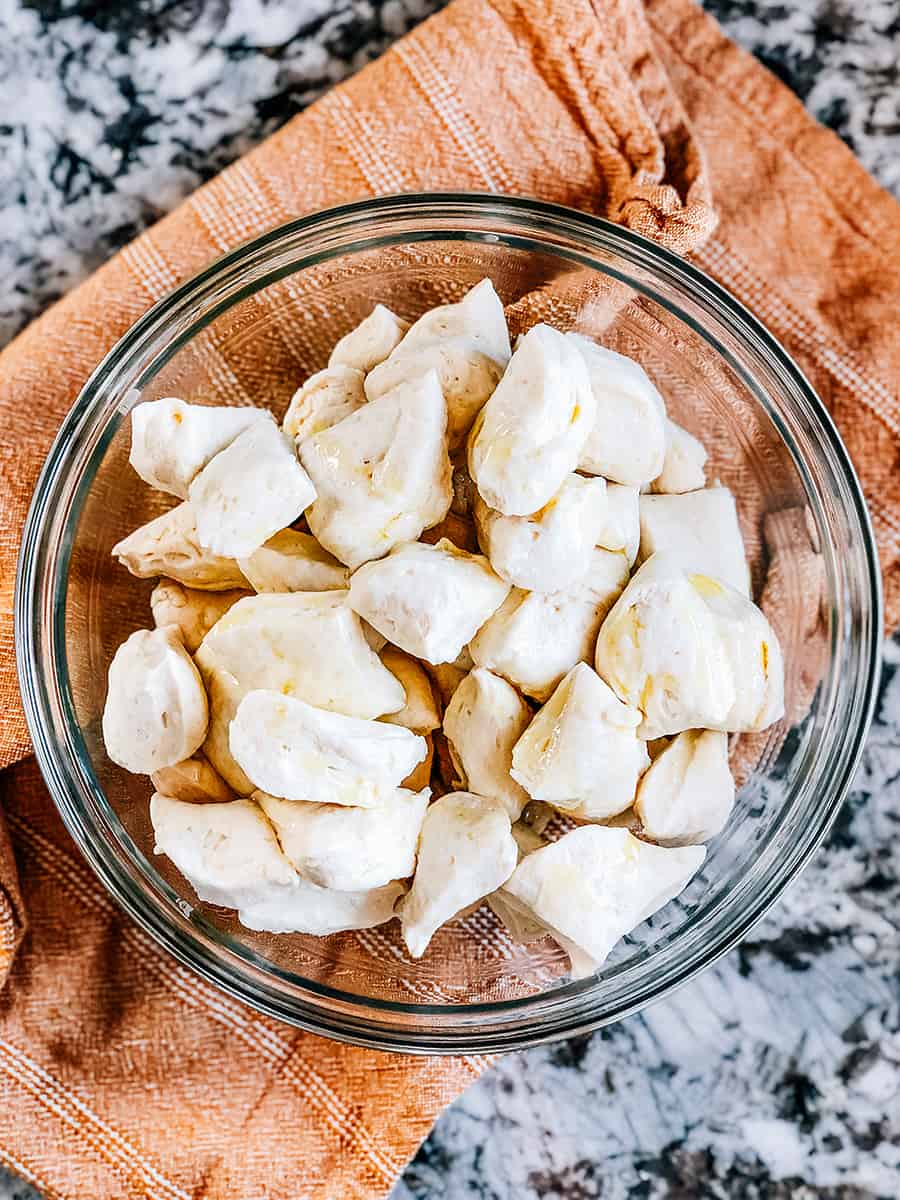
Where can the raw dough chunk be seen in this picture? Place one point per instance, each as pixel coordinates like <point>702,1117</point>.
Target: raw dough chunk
<point>349,849</point>
<point>581,753</point>
<point>171,442</point>
<point>295,751</point>
<point>168,545</point>
<point>550,550</point>
<point>596,884</point>
<point>428,600</point>
<point>534,638</point>
<point>484,719</point>
<point>293,562</point>
<point>622,530</point>
<point>155,713</point>
<point>326,398</point>
<point>466,851</point>
<point>306,644</point>
<point>420,713</point>
<point>228,852</point>
<point>627,441</point>
<point>688,792</point>
<point>230,855</point>
<point>701,529</point>
<point>193,780</point>
<point>530,434</point>
<point>309,908</point>
<point>690,653</point>
<point>466,343</point>
<point>249,491</point>
<point>193,611</point>
<point>370,342</point>
<point>382,474</point>
<point>683,464</point>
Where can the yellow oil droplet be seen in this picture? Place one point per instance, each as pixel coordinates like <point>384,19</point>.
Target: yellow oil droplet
<point>764,655</point>
<point>287,689</point>
<point>646,693</point>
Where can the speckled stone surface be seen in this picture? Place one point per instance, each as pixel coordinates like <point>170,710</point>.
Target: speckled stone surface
<point>776,1075</point>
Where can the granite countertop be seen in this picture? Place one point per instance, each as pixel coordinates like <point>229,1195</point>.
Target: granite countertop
<point>774,1075</point>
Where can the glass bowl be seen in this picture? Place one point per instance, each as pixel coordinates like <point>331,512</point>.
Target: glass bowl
<point>252,326</point>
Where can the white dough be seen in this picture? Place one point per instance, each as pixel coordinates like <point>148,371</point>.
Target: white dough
<point>309,908</point>
<point>551,549</point>
<point>293,562</point>
<point>168,545</point>
<point>485,718</point>
<point>628,436</point>
<point>370,342</point>
<point>581,752</point>
<point>230,856</point>
<point>326,398</point>
<point>249,491</point>
<point>531,433</point>
<point>306,644</point>
<point>428,600</point>
<point>467,343</point>
<point>171,442</point>
<point>466,851</point>
<point>688,792</point>
<point>382,474</point>
<point>690,653</point>
<point>622,530</point>
<point>683,466</point>
<point>227,852</point>
<point>155,713</point>
<point>596,884</point>
<point>349,849</point>
<point>295,751</point>
<point>534,638</point>
<point>701,530</point>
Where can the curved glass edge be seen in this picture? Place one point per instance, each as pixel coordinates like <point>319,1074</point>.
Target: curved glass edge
<point>37,602</point>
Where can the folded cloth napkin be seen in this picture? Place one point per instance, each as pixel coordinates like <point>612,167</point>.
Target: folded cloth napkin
<point>120,1072</point>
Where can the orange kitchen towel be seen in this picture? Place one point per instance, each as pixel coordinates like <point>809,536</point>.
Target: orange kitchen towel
<point>121,1074</point>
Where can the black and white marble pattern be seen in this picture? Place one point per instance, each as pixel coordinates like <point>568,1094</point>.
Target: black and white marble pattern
<point>776,1075</point>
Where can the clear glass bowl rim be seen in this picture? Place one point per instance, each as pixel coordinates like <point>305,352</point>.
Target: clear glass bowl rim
<point>40,621</point>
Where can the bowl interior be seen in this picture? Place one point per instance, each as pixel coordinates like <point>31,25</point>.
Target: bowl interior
<point>252,338</point>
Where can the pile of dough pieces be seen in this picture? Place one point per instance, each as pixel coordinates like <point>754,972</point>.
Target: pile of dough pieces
<point>497,574</point>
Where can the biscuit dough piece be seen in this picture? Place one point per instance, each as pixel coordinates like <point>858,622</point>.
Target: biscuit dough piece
<point>428,600</point>
<point>531,433</point>
<point>466,851</point>
<point>596,884</point>
<point>349,849</point>
<point>171,442</point>
<point>466,343</point>
<point>156,712</point>
<point>169,545</point>
<point>249,491</point>
<point>382,474</point>
<point>581,752</point>
<point>485,718</point>
<point>295,751</point>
